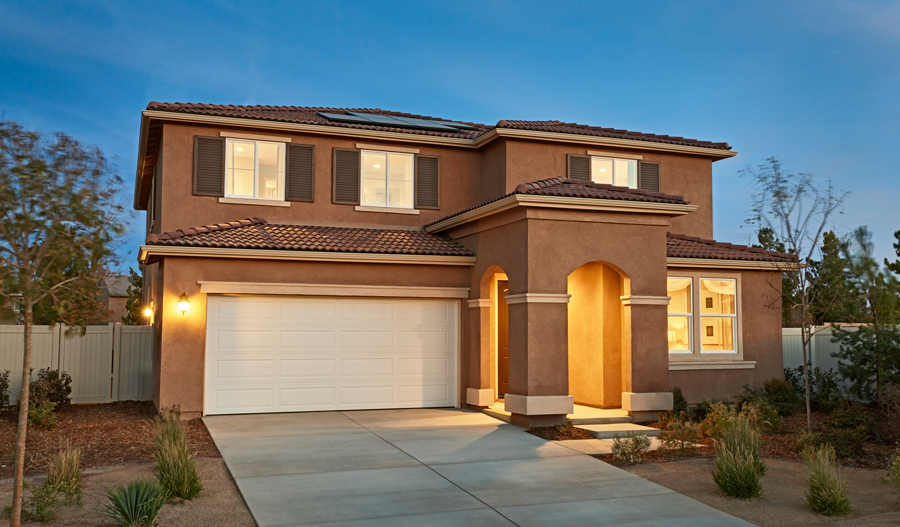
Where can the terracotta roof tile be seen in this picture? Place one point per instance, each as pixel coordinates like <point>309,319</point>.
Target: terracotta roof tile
<point>310,115</point>
<point>681,246</point>
<point>257,233</point>
<point>575,188</point>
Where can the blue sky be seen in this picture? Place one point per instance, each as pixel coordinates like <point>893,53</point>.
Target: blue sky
<point>815,83</point>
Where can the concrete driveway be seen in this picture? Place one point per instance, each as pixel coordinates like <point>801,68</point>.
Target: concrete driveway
<point>432,468</point>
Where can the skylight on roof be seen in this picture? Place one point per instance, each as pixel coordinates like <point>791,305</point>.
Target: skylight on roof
<point>396,122</point>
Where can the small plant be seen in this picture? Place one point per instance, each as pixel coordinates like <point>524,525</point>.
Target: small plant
<point>137,504</point>
<point>738,465</point>
<point>849,415</point>
<point>824,387</point>
<point>762,415</point>
<point>847,442</point>
<point>176,468</point>
<point>42,415</point>
<point>679,403</point>
<point>679,435</point>
<point>630,448</point>
<point>64,475</point>
<point>893,472</point>
<point>717,416</point>
<point>4,388</point>
<point>699,412</point>
<point>804,439</point>
<point>827,492</point>
<point>53,386</point>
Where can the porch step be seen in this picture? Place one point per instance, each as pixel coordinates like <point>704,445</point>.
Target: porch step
<point>579,421</point>
<point>496,413</point>
<point>609,431</point>
<point>583,415</point>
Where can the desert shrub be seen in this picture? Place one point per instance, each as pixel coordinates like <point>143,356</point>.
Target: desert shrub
<point>664,419</point>
<point>893,472</point>
<point>64,475</point>
<point>136,504</point>
<point>849,415</point>
<point>680,435</point>
<point>890,399</point>
<point>827,493</point>
<point>630,448</point>
<point>846,441</point>
<point>718,414</point>
<point>738,465</point>
<point>762,415</point>
<point>41,506</point>
<point>4,388</point>
<point>176,468</point>
<point>824,387</point>
<point>42,415</point>
<point>804,440</point>
<point>778,393</point>
<point>53,386</point>
<point>679,403</point>
<point>700,411</point>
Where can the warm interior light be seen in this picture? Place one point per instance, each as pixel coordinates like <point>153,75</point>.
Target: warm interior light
<point>183,303</point>
<point>377,166</point>
<point>148,312</point>
<point>239,149</point>
<point>602,170</point>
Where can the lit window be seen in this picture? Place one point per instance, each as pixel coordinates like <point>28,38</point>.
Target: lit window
<point>717,315</point>
<point>254,169</point>
<point>618,172</point>
<point>680,319</point>
<point>387,179</point>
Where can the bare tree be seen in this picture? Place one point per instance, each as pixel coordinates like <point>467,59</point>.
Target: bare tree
<point>59,215</point>
<point>798,210</point>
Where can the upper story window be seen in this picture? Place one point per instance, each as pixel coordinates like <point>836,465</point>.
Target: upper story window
<point>611,171</point>
<point>254,169</point>
<point>715,329</point>
<point>387,179</point>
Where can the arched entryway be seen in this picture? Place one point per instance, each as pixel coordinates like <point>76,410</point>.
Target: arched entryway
<point>597,334</point>
<point>495,286</point>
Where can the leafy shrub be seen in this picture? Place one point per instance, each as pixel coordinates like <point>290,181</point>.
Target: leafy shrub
<point>4,388</point>
<point>679,403</point>
<point>847,441</point>
<point>630,448</point>
<point>52,386</point>
<point>64,475</point>
<point>890,399</point>
<point>763,415</point>
<point>893,471</point>
<point>738,465</point>
<point>42,415</point>
<point>716,417</point>
<point>805,440</point>
<point>699,412</point>
<point>824,387</point>
<point>827,492</point>
<point>849,415</point>
<point>778,393</point>
<point>175,466</point>
<point>680,435</point>
<point>42,505</point>
<point>137,504</point>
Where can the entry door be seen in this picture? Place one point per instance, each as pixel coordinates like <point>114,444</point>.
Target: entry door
<point>292,354</point>
<point>502,338</point>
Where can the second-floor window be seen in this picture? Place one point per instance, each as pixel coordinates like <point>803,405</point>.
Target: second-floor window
<point>254,169</point>
<point>611,171</point>
<point>387,179</point>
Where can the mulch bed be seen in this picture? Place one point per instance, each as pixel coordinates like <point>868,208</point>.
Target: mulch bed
<point>108,434</point>
<point>559,433</point>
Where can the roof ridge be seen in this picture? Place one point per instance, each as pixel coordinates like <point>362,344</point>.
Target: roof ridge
<point>727,245</point>
<point>171,235</point>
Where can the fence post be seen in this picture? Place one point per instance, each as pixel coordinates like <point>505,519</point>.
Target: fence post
<point>116,341</point>
<point>812,349</point>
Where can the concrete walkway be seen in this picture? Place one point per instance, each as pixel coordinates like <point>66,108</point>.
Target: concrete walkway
<point>432,467</point>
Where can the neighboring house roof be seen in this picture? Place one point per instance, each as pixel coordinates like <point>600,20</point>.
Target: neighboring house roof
<point>257,233</point>
<point>310,115</point>
<point>681,246</point>
<point>576,188</point>
<point>117,284</point>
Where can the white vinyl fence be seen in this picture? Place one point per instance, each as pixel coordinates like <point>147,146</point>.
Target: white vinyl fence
<point>107,363</point>
<point>820,348</point>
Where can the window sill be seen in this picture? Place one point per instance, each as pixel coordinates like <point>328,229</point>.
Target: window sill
<point>713,365</point>
<point>253,201</point>
<point>391,210</point>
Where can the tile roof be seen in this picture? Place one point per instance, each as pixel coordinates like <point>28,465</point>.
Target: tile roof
<point>681,246</point>
<point>576,188</point>
<point>257,233</point>
<point>309,115</point>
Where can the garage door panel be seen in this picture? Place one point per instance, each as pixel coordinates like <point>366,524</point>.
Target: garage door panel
<point>246,310</point>
<point>317,353</point>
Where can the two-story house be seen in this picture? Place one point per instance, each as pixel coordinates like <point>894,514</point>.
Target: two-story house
<point>302,259</point>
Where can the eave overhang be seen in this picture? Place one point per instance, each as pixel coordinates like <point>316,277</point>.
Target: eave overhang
<point>749,265</point>
<point>149,253</point>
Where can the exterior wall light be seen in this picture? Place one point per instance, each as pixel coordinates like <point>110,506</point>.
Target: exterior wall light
<point>148,312</point>
<point>183,303</point>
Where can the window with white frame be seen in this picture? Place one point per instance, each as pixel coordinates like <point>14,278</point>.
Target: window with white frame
<point>712,330</point>
<point>387,179</point>
<point>680,315</point>
<point>611,171</point>
<point>254,169</point>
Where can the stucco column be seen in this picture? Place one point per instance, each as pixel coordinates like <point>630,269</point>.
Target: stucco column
<point>538,360</point>
<point>479,393</point>
<point>645,360</point>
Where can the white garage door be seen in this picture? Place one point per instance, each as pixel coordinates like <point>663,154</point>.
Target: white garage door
<point>294,354</point>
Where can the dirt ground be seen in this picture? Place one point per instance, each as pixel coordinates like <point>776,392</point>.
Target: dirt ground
<point>220,503</point>
<point>782,503</point>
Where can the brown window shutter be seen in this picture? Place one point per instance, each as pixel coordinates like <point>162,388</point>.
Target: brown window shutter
<point>345,185</point>
<point>648,176</point>
<point>428,182</point>
<point>209,166</point>
<point>578,167</point>
<point>299,174</point>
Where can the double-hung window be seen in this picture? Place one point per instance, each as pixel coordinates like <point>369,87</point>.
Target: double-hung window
<point>611,171</point>
<point>387,179</point>
<point>254,169</point>
<point>703,315</point>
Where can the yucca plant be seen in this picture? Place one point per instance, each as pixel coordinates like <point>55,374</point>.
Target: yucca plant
<point>136,504</point>
<point>64,475</point>
<point>176,468</point>
<point>738,465</point>
<point>827,492</point>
